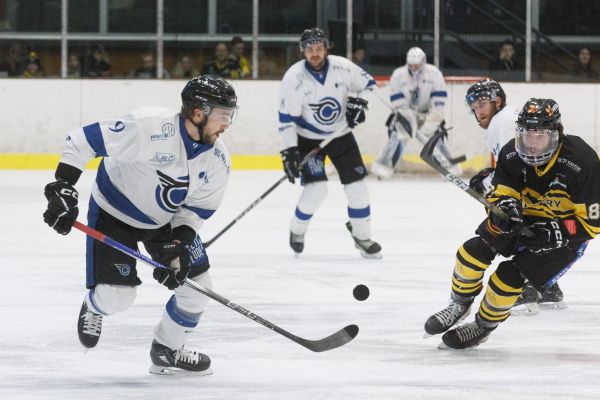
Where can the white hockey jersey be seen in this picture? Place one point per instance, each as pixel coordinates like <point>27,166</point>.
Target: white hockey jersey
<point>420,92</point>
<point>152,172</point>
<point>501,129</point>
<point>313,105</point>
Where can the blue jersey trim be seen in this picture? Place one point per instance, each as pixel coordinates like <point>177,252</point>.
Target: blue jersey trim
<point>192,148</point>
<point>397,96</point>
<point>439,93</point>
<point>359,212</point>
<point>319,77</point>
<point>93,135</point>
<point>286,118</point>
<point>301,216</point>
<point>201,212</point>
<point>117,199</point>
<point>181,317</point>
<point>371,83</point>
<point>92,217</point>
<point>302,123</point>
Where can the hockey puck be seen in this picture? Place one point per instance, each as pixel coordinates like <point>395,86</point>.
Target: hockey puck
<point>361,292</point>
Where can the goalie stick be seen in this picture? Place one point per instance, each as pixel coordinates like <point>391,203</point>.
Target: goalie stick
<point>260,198</point>
<point>333,341</point>
<point>427,156</point>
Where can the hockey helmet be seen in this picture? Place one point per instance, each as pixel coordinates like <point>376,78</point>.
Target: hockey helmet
<point>485,89</point>
<point>415,58</point>
<point>208,92</point>
<point>313,36</point>
<point>539,129</point>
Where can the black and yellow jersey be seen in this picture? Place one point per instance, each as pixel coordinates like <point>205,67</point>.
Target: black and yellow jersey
<point>568,187</point>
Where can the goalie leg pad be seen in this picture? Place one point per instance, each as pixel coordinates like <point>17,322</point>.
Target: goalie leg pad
<point>182,313</point>
<point>359,209</point>
<point>311,198</point>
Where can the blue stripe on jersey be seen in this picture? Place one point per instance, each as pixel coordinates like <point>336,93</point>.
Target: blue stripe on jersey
<point>397,96</point>
<point>302,123</point>
<point>359,212</point>
<point>117,199</point>
<point>319,76</point>
<point>201,212</point>
<point>439,93</point>
<point>192,148</point>
<point>371,83</point>
<point>286,118</point>
<point>92,217</point>
<point>301,216</point>
<point>93,135</point>
<point>181,317</point>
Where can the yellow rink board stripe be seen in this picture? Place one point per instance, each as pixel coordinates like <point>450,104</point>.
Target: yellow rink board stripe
<point>239,161</point>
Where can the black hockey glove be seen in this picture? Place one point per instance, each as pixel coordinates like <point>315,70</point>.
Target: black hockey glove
<point>548,236</point>
<point>62,209</point>
<point>291,162</point>
<point>396,117</point>
<point>355,111</point>
<point>512,207</point>
<point>482,182</point>
<point>176,256</point>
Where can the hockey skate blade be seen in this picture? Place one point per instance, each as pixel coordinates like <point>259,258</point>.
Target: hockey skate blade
<point>376,256</point>
<point>158,370</point>
<point>529,309</point>
<point>443,346</point>
<point>560,305</point>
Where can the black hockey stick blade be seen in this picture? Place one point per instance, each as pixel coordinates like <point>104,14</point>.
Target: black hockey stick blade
<point>331,342</point>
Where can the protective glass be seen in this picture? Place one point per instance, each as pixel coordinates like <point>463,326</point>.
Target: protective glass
<point>536,146</point>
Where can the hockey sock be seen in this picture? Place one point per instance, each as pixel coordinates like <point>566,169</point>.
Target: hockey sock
<point>359,210</point>
<point>472,259</point>
<point>499,298</point>
<point>110,299</point>
<point>311,198</point>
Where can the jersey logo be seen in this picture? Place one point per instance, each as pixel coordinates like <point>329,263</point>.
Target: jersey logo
<point>163,157</point>
<point>415,95</point>
<point>167,130</point>
<point>119,126</point>
<point>124,269</point>
<point>326,111</point>
<point>170,192</point>
<point>203,178</point>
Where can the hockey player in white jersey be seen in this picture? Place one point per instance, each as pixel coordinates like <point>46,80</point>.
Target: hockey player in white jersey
<point>164,172</point>
<point>418,98</point>
<point>316,103</point>
<point>487,101</point>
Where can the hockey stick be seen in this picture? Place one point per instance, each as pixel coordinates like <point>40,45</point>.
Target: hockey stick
<point>312,153</point>
<point>333,341</point>
<point>427,156</point>
<point>419,136</point>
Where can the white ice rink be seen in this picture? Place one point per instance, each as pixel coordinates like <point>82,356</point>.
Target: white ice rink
<point>420,223</point>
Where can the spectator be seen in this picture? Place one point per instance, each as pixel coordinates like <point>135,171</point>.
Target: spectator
<point>237,54</point>
<point>185,68</point>
<point>33,66</point>
<point>73,66</point>
<point>148,68</point>
<point>582,70</point>
<point>96,64</point>
<point>506,58</point>
<point>14,62</point>
<point>359,57</point>
<point>222,65</point>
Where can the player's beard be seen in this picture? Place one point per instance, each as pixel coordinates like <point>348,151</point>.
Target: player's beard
<point>317,63</point>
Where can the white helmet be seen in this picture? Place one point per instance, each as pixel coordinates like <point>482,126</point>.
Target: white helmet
<point>415,57</point>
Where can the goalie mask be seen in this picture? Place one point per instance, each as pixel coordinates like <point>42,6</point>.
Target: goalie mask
<point>538,131</point>
<point>415,59</point>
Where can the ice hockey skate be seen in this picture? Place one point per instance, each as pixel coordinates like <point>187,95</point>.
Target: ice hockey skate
<point>552,298</point>
<point>381,170</point>
<point>297,243</point>
<point>367,248</point>
<point>89,326</point>
<point>457,310</point>
<point>465,336</point>
<point>166,361</point>
<point>527,303</point>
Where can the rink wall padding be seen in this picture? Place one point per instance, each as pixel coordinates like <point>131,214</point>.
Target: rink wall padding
<point>38,113</point>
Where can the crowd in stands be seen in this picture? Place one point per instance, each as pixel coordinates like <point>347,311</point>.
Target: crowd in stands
<point>229,61</point>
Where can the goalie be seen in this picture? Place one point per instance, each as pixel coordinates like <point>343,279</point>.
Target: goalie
<point>418,97</point>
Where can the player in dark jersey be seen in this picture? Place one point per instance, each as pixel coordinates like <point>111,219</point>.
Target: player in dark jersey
<point>546,181</point>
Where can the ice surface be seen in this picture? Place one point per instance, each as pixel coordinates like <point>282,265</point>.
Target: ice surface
<point>420,222</point>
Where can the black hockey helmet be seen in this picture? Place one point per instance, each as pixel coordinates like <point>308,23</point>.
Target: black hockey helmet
<point>486,89</point>
<point>539,130</point>
<point>313,36</point>
<point>206,92</point>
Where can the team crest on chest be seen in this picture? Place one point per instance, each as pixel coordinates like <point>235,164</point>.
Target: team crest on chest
<point>170,192</point>
<point>326,111</point>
